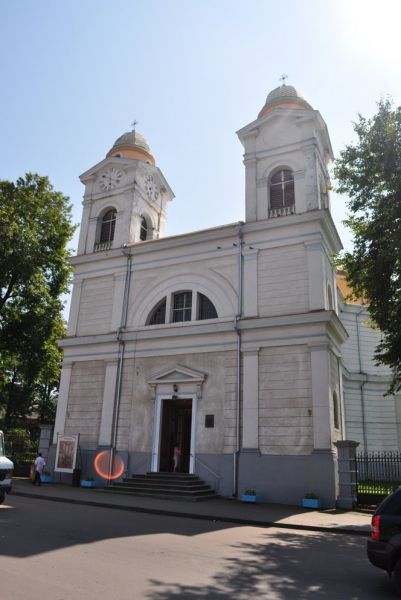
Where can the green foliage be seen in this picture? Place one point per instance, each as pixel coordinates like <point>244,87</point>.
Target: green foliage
<point>35,226</point>
<point>311,496</point>
<point>369,172</point>
<point>21,445</point>
<point>250,492</point>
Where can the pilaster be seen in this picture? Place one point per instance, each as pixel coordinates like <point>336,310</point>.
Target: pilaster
<point>316,275</point>
<point>250,283</point>
<point>250,404</point>
<point>62,402</point>
<point>83,234</point>
<point>106,419</point>
<point>118,300</point>
<point>320,363</point>
<point>74,307</point>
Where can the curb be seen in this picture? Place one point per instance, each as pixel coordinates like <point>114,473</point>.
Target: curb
<point>215,518</point>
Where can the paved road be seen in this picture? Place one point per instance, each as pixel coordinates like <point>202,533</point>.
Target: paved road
<point>54,551</point>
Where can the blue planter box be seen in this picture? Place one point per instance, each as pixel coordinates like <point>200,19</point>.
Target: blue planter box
<point>246,498</point>
<point>90,484</point>
<point>46,478</point>
<point>311,502</point>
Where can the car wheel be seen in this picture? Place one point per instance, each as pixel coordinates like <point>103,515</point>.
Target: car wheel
<point>397,575</point>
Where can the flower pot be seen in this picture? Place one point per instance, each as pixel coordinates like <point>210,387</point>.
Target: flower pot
<point>46,478</point>
<point>86,483</point>
<point>247,498</point>
<point>311,502</point>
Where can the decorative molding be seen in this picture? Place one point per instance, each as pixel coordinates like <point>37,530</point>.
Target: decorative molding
<point>177,374</point>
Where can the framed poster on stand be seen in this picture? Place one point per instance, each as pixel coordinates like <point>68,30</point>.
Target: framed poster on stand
<point>66,453</point>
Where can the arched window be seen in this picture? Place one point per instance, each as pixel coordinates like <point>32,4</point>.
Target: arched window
<point>282,193</point>
<point>143,233</point>
<point>181,309</point>
<point>206,309</point>
<point>108,226</point>
<point>336,412</point>
<point>158,314</point>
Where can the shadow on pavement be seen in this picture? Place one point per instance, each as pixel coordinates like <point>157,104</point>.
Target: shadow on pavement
<point>290,565</point>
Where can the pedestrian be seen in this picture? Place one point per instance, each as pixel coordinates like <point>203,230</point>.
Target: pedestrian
<point>176,457</point>
<point>39,466</point>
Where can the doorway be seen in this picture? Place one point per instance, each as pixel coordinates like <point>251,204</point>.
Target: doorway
<point>176,425</point>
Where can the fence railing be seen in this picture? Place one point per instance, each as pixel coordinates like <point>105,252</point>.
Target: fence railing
<point>378,472</point>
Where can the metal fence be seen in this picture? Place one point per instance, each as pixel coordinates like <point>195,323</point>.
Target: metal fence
<point>378,473</point>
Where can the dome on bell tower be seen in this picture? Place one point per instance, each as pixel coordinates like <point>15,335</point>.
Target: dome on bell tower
<point>284,96</point>
<point>132,145</point>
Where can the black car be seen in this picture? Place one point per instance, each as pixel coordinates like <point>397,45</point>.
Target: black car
<point>384,547</point>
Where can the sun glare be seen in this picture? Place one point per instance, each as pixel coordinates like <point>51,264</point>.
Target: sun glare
<point>103,467</point>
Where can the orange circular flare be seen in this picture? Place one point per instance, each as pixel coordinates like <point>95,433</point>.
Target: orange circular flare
<point>102,465</point>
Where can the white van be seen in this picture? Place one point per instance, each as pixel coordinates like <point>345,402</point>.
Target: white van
<point>6,471</point>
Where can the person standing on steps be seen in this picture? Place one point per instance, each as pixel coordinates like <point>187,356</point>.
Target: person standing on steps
<point>39,466</point>
<point>176,457</point>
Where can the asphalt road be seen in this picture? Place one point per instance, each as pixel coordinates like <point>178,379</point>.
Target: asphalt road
<point>56,551</point>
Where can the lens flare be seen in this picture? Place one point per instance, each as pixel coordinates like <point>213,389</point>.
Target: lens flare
<point>102,465</point>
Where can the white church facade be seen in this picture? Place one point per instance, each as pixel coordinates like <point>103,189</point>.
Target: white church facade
<point>227,342</point>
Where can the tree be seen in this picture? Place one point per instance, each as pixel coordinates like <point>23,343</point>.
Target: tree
<point>369,172</point>
<point>35,227</point>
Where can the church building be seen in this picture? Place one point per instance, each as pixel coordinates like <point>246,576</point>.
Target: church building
<point>227,342</point>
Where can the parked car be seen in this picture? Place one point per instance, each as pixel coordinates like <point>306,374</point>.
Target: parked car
<point>384,547</point>
<point>6,471</point>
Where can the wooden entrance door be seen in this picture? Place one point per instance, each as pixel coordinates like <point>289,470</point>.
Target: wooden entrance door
<point>176,423</point>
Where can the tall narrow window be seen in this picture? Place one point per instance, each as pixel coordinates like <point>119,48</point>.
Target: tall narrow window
<point>282,190</point>
<point>158,314</point>
<point>143,234</point>
<point>206,309</point>
<point>108,227</point>
<point>336,412</point>
<point>182,307</point>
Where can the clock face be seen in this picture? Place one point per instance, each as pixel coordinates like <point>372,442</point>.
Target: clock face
<point>151,188</point>
<point>110,178</point>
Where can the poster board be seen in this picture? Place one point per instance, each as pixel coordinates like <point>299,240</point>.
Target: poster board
<point>66,453</point>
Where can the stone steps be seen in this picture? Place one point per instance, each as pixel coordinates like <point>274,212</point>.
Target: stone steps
<point>172,486</point>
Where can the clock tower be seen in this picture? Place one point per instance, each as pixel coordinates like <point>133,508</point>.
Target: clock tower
<point>125,197</point>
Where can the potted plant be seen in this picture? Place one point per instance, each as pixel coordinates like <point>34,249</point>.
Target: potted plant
<point>88,481</point>
<point>311,500</point>
<point>46,477</point>
<point>249,496</point>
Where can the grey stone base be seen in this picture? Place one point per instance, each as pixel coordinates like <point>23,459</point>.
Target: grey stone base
<point>286,479</point>
<point>277,479</point>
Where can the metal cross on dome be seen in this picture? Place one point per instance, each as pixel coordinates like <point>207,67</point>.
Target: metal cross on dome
<point>283,78</point>
<point>134,124</point>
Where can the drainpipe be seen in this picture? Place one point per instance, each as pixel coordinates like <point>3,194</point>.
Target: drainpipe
<point>238,382</point>
<point>363,383</point>
<point>120,360</point>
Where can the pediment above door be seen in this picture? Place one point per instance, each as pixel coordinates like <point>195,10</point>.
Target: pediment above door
<point>177,379</point>
<point>177,374</point>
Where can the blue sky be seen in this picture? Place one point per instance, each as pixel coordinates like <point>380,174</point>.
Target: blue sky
<point>76,73</point>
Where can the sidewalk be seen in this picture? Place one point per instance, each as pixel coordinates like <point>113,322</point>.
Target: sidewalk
<point>219,509</point>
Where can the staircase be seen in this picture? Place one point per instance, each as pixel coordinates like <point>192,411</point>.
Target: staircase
<point>168,486</point>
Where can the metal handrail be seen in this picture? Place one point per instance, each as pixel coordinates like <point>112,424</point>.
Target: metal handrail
<point>206,467</point>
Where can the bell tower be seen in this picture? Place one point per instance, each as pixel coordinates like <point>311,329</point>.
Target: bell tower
<point>125,199</point>
<point>287,150</point>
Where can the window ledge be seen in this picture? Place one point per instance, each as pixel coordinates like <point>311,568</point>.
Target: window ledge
<point>102,246</point>
<point>282,212</point>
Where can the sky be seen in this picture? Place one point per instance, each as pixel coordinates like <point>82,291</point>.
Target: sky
<point>76,73</point>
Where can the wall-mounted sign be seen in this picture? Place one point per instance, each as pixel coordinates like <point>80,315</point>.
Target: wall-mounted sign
<point>66,454</point>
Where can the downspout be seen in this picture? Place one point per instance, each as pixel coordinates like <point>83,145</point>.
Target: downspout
<point>363,383</point>
<point>238,382</point>
<point>120,361</point>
